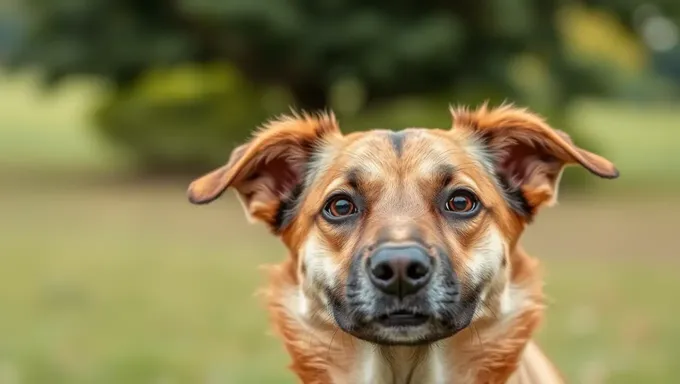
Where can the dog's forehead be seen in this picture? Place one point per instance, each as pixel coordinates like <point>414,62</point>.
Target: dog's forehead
<point>380,153</point>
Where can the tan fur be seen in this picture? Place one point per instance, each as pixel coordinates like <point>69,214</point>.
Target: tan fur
<point>401,180</point>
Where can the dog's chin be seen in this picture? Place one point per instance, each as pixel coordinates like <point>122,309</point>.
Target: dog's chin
<point>405,335</point>
<point>402,328</point>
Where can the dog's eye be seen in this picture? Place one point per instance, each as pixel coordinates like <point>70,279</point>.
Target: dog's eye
<point>462,201</point>
<point>340,206</point>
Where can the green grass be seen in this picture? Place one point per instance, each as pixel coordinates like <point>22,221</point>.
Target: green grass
<point>131,284</point>
<point>640,138</point>
<point>43,131</point>
<point>111,283</point>
<point>114,285</point>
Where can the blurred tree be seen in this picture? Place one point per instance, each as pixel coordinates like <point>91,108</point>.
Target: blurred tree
<point>363,58</point>
<point>632,12</point>
<point>657,23</point>
<point>184,118</point>
<point>390,48</point>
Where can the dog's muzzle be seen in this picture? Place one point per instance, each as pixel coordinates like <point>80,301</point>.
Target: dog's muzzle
<point>402,294</point>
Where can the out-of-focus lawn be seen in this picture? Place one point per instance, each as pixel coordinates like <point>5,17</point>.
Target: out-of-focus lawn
<point>641,138</point>
<point>112,283</point>
<point>47,132</point>
<point>130,285</point>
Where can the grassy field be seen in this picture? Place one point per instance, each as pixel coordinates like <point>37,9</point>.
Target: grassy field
<point>110,283</point>
<point>131,284</point>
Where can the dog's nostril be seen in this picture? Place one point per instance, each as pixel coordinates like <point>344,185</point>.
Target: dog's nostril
<point>383,271</point>
<point>417,270</point>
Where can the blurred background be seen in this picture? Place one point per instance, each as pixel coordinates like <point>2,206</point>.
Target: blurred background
<point>108,108</point>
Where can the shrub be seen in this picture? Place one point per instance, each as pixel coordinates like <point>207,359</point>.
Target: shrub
<point>186,118</point>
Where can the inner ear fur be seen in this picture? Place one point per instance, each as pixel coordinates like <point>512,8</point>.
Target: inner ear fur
<point>269,168</point>
<point>527,153</point>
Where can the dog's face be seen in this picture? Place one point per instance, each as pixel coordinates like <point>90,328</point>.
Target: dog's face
<point>400,237</point>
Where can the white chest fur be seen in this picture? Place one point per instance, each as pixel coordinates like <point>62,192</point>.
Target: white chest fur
<point>401,365</point>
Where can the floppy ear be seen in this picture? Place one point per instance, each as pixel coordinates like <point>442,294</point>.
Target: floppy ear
<point>527,154</point>
<point>268,169</point>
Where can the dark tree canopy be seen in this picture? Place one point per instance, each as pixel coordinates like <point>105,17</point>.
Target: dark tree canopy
<point>392,48</point>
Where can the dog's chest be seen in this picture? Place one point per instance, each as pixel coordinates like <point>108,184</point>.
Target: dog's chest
<point>401,366</point>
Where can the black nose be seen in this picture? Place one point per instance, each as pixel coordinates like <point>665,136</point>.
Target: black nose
<point>400,271</point>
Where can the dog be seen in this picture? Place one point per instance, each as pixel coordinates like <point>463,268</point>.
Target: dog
<point>404,261</point>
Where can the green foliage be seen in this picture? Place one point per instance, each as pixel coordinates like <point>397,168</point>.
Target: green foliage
<point>392,48</point>
<point>630,11</point>
<point>185,118</point>
<point>385,51</point>
<point>189,118</point>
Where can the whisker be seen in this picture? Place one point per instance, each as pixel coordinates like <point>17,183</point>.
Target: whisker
<point>493,313</point>
<point>330,344</point>
<point>479,337</point>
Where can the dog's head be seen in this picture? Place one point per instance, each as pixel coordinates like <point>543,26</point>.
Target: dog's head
<point>400,237</point>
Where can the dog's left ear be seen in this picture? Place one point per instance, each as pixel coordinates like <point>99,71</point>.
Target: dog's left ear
<point>267,170</point>
<point>526,152</point>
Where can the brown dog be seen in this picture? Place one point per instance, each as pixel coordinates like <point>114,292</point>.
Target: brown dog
<point>404,263</point>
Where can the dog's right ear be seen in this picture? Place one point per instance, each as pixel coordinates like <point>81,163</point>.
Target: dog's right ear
<point>269,168</point>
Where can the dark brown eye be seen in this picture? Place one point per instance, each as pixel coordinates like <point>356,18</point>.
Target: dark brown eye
<point>340,206</point>
<point>462,202</point>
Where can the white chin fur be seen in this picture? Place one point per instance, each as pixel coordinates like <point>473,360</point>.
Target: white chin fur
<point>403,334</point>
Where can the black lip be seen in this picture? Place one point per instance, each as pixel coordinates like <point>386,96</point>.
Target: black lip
<point>403,319</point>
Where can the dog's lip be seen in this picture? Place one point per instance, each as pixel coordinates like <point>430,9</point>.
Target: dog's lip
<point>403,318</point>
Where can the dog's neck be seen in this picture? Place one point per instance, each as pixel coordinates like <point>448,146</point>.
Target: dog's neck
<point>488,351</point>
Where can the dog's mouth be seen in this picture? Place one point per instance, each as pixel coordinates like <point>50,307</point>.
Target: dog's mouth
<point>402,318</point>
<point>405,325</point>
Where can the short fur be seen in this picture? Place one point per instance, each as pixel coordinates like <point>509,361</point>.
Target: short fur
<point>486,299</point>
